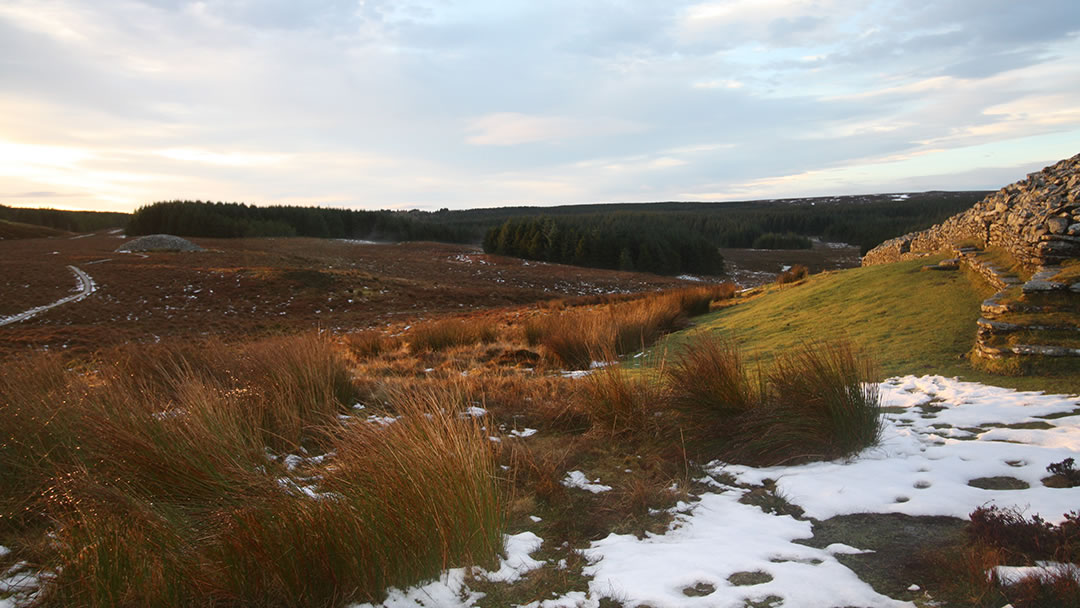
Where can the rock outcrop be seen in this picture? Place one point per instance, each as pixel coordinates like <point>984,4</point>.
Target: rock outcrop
<point>1032,317</point>
<point>1037,220</point>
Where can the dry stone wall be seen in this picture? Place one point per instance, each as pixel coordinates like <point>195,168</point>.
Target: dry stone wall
<point>1037,220</point>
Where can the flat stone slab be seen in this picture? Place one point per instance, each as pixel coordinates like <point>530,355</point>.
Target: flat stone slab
<point>1038,286</point>
<point>1045,350</point>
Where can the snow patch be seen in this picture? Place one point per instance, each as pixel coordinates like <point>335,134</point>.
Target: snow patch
<point>577,479</point>
<point>719,538</point>
<point>941,440</point>
<point>1044,571</point>
<point>450,590</point>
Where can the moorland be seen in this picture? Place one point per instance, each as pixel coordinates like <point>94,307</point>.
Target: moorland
<point>324,422</point>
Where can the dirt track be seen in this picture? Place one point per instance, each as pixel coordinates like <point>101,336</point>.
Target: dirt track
<point>85,287</point>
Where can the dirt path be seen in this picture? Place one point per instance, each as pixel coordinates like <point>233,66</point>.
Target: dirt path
<point>86,287</point>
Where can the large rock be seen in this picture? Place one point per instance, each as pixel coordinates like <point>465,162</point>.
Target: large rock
<point>159,242</point>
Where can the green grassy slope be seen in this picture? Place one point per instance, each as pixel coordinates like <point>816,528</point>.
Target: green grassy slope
<point>911,322</point>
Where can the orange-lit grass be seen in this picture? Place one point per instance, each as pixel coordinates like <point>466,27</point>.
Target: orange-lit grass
<point>149,481</point>
<point>794,274</point>
<point>576,336</point>
<point>446,333</point>
<point>709,378</point>
<point>371,343</point>
<point>623,403</point>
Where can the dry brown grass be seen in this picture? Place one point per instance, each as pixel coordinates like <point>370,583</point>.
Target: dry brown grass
<point>709,378</point>
<point>446,333</point>
<point>156,478</point>
<point>576,337</point>
<point>370,343</point>
<point>624,404</point>
<point>794,274</point>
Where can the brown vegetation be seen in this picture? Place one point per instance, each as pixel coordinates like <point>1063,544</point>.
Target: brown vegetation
<point>245,288</point>
<point>997,537</point>
<point>794,274</point>
<point>320,468</point>
<point>211,474</point>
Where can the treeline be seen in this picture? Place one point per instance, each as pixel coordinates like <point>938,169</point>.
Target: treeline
<point>790,240</point>
<point>864,220</point>
<point>649,242</point>
<point>665,238</point>
<point>227,220</point>
<point>71,221</point>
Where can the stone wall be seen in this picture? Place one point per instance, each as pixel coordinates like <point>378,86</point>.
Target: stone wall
<point>1037,220</point>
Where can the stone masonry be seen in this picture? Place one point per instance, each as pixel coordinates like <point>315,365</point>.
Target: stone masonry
<point>1037,220</point>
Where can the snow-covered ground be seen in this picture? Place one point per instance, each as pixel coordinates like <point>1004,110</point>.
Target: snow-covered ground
<point>939,435</point>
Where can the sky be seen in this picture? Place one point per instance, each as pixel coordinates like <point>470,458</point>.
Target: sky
<point>424,104</point>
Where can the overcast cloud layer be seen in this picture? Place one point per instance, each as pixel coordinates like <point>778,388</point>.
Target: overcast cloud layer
<point>110,104</point>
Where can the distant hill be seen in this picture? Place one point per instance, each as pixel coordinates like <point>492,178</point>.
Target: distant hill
<point>665,237</point>
<point>19,230</point>
<point>70,221</point>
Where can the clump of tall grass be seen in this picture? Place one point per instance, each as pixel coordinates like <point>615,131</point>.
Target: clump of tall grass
<point>820,402</point>
<point>572,337</point>
<point>447,333</point>
<point>398,503</point>
<point>696,300</point>
<point>796,273</point>
<point>371,343</point>
<point>709,377</point>
<point>158,480</point>
<point>623,403</point>
<point>817,402</point>
<point>575,337</point>
<point>639,324</point>
<point>434,468</point>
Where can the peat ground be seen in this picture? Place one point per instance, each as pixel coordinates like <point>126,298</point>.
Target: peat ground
<point>243,288</point>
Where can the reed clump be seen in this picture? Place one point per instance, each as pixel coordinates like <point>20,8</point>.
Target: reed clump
<point>159,476</point>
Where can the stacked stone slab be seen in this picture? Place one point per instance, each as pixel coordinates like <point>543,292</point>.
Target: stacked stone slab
<point>1037,220</point>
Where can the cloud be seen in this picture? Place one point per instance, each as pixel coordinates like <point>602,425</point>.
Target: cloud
<point>227,159</point>
<point>726,83</point>
<point>512,128</point>
<point>779,23</point>
<point>427,103</point>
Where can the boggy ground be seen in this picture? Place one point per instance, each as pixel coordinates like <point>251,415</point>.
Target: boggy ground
<point>249,287</point>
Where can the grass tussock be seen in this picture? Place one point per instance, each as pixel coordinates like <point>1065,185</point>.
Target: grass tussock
<point>371,343</point>
<point>709,377</point>
<point>794,274</point>
<point>448,333</point>
<point>815,402</point>
<point>624,404</point>
<point>828,391</point>
<point>158,477</point>
<point>576,337</point>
